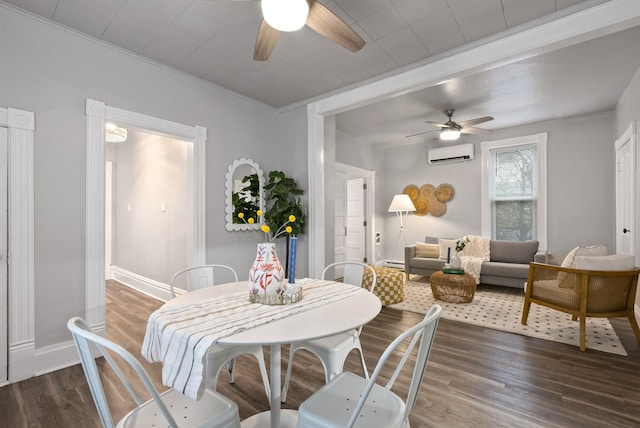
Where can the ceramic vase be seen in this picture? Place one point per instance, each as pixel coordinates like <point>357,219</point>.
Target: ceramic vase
<point>266,276</point>
<point>456,263</point>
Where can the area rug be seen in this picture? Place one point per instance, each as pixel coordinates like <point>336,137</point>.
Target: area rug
<point>500,308</point>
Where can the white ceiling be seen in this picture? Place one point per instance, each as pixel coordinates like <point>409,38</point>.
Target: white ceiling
<point>578,80</point>
<point>214,39</point>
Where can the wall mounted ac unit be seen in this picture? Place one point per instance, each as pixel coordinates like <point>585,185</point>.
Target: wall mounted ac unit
<point>457,153</point>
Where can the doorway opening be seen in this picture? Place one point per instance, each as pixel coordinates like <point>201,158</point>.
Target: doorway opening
<point>148,211</point>
<point>98,113</point>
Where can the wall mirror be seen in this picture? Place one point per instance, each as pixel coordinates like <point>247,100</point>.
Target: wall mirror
<point>243,194</point>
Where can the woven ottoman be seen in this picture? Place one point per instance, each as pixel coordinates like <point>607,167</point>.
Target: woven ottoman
<point>453,288</point>
<point>390,284</point>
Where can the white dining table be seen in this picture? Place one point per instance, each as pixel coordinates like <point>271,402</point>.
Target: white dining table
<point>315,323</point>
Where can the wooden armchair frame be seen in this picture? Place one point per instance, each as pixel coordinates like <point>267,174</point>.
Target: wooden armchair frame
<point>585,293</point>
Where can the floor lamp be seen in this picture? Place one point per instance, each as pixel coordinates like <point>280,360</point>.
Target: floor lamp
<point>401,205</point>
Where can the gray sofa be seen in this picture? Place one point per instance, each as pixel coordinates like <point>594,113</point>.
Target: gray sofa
<point>508,264</point>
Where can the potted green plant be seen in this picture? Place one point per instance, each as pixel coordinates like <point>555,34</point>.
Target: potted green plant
<point>282,197</point>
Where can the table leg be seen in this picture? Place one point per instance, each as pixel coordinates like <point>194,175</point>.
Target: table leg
<point>275,364</point>
<point>275,417</point>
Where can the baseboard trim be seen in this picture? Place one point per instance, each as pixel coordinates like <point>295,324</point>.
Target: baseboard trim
<point>150,287</point>
<point>56,357</point>
<point>22,361</point>
<point>61,355</point>
<point>397,264</point>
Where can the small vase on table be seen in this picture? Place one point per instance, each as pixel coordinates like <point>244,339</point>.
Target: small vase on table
<point>456,262</point>
<point>266,276</point>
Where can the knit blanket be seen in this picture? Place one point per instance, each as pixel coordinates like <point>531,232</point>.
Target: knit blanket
<point>475,252</point>
<point>180,336</point>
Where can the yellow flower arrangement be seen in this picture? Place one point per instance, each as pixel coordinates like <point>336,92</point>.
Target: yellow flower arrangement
<point>285,228</point>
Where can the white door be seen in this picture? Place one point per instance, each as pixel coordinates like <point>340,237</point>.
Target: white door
<point>340,223</point>
<point>355,245</point>
<point>4,308</point>
<point>625,193</point>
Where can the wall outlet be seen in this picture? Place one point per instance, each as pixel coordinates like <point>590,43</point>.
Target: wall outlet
<point>378,238</point>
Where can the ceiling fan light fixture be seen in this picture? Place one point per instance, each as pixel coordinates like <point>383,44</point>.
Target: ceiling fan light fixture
<point>285,15</point>
<point>449,134</point>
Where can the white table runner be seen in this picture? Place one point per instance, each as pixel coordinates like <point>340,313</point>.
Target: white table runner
<point>180,336</point>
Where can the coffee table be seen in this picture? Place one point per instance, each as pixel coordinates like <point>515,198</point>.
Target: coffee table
<point>453,288</point>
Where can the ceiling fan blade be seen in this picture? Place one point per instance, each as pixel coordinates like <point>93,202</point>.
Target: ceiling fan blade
<point>328,24</point>
<point>438,124</point>
<point>470,130</point>
<point>265,42</point>
<point>476,121</point>
<point>420,133</point>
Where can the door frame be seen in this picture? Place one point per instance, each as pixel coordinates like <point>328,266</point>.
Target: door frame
<point>21,345</point>
<point>370,181</point>
<point>4,266</point>
<point>628,137</point>
<point>98,113</point>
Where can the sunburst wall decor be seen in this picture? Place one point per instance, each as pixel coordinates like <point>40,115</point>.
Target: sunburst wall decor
<point>430,199</point>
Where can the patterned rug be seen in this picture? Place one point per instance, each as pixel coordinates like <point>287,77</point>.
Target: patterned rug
<point>500,308</point>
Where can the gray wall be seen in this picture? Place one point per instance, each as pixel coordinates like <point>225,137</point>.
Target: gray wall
<point>581,182</point>
<point>292,152</point>
<point>51,72</point>
<point>351,152</point>
<point>149,170</point>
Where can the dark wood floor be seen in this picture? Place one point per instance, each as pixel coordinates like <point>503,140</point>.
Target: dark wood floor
<point>476,377</point>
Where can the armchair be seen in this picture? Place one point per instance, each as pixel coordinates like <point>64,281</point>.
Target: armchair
<point>592,289</point>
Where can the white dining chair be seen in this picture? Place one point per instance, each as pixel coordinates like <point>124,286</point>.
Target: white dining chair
<point>212,410</point>
<point>333,350</point>
<point>197,277</point>
<point>349,398</point>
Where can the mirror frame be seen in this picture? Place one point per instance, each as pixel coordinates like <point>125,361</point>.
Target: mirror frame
<point>230,225</point>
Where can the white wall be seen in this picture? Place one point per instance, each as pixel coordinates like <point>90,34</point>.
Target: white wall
<point>150,170</point>
<point>581,199</point>
<point>51,72</point>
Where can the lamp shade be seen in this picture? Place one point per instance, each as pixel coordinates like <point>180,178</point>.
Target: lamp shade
<point>401,203</point>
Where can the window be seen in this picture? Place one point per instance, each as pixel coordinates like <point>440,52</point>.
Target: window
<point>514,189</point>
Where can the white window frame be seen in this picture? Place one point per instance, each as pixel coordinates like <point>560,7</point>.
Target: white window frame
<point>540,141</point>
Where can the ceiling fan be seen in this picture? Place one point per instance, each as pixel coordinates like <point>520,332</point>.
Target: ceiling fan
<point>291,15</point>
<point>451,130</point>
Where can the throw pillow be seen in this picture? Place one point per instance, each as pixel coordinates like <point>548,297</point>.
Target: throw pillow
<point>570,261</point>
<point>430,240</point>
<point>612,262</point>
<point>445,245</point>
<point>427,250</point>
<point>513,251</point>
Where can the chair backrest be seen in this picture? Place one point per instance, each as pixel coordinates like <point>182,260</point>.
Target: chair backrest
<point>197,277</point>
<point>423,333</point>
<point>83,337</point>
<point>353,273</point>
